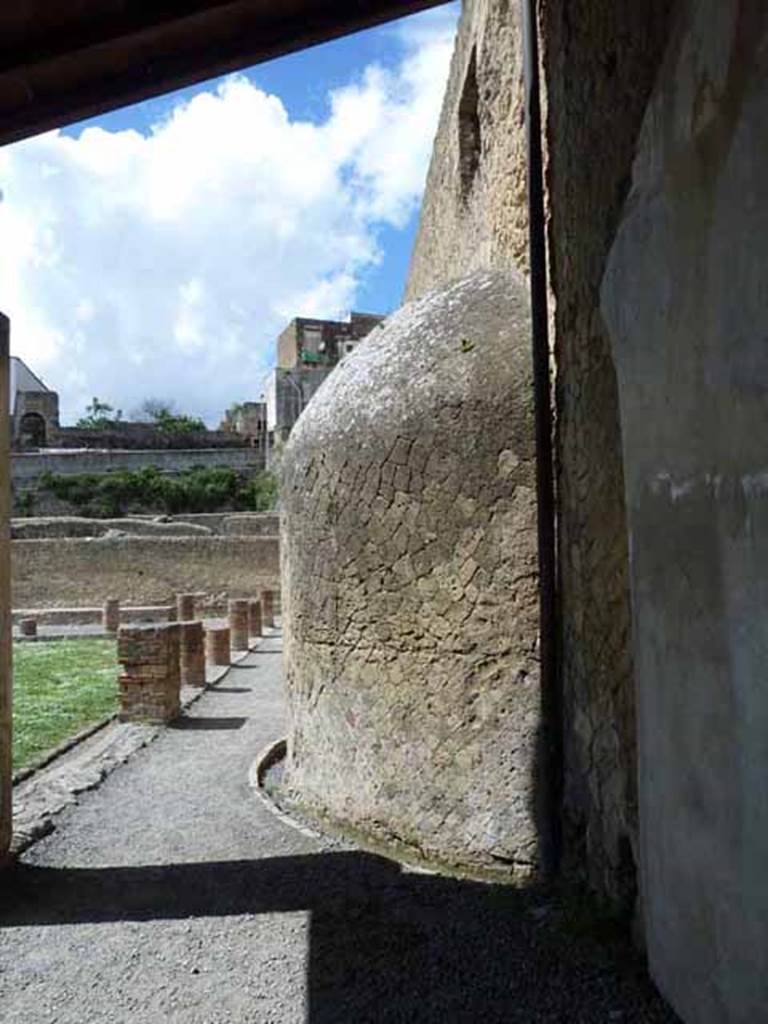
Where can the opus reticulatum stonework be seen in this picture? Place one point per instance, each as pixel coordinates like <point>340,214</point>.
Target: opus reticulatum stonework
<point>410,583</point>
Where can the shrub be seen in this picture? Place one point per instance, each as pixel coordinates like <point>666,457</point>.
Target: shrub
<point>201,489</point>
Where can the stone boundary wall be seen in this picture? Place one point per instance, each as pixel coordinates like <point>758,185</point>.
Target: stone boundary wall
<point>143,435</point>
<point>140,570</point>
<point>232,524</point>
<point>53,527</point>
<point>27,467</point>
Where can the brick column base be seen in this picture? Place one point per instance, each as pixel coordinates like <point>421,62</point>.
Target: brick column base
<point>217,645</point>
<point>151,678</point>
<point>254,618</point>
<point>192,657</point>
<point>268,608</point>
<point>238,625</point>
<point>110,615</point>
<point>185,607</point>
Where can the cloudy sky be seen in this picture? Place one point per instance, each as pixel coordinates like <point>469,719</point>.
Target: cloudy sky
<point>159,250</point>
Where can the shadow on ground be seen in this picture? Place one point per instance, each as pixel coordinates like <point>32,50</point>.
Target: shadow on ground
<point>385,945</point>
<point>209,724</point>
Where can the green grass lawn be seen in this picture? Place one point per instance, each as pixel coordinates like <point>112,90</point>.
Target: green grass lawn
<point>59,688</point>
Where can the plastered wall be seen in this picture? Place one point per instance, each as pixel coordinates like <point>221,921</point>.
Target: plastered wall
<point>684,300</point>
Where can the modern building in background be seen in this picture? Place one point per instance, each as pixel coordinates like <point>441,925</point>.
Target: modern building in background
<point>307,351</point>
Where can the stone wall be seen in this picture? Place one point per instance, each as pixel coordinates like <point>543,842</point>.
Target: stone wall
<point>474,210</point>
<point>139,570</point>
<point>6,688</point>
<point>128,435</point>
<point>202,524</point>
<point>684,300</point>
<point>28,467</point>
<point>50,527</point>
<point>409,585</point>
<point>600,59</point>
<point>599,62</point>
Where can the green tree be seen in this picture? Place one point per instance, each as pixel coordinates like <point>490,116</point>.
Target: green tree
<point>99,415</point>
<point>165,416</point>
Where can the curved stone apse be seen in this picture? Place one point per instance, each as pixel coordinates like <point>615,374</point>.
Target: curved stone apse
<point>410,583</point>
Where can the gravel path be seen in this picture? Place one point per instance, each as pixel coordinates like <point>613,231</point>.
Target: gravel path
<point>170,894</point>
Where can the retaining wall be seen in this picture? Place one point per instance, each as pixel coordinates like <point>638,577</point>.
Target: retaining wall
<point>26,467</point>
<point>141,570</point>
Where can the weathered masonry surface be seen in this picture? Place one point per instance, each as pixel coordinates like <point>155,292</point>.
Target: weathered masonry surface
<point>655,138</point>
<point>409,584</point>
<point>6,814</point>
<point>684,300</point>
<point>474,210</point>
<point>142,570</point>
<point>600,60</point>
<point>150,681</point>
<point>612,50</point>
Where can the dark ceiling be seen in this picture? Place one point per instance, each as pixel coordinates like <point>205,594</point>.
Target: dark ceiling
<point>64,60</point>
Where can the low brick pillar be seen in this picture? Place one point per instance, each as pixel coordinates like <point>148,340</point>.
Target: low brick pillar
<point>150,682</point>
<point>254,618</point>
<point>192,654</point>
<point>110,615</point>
<point>217,645</point>
<point>238,624</point>
<point>268,607</point>
<point>185,607</point>
<point>28,627</point>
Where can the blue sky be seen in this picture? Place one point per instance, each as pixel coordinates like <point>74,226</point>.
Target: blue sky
<point>160,248</point>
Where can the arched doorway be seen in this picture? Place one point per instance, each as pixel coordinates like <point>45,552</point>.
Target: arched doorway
<point>32,430</point>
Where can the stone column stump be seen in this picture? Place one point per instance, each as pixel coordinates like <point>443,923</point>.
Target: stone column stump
<point>254,618</point>
<point>192,654</point>
<point>217,645</point>
<point>238,624</point>
<point>268,608</point>
<point>151,677</point>
<point>110,615</point>
<point>185,607</point>
<point>28,627</point>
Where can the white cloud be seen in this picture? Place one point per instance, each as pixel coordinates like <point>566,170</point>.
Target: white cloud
<point>166,263</point>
